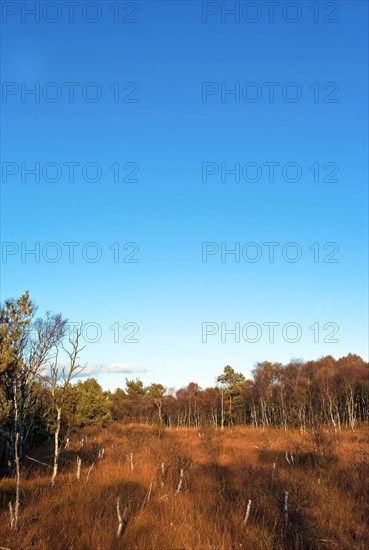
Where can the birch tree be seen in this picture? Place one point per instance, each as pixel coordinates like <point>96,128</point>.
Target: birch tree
<point>60,379</point>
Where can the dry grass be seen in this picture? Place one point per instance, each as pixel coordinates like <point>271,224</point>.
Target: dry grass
<point>326,475</point>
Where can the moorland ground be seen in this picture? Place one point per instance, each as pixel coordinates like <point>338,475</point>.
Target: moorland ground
<point>192,488</point>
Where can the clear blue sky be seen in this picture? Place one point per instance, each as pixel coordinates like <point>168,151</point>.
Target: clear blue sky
<point>173,208</point>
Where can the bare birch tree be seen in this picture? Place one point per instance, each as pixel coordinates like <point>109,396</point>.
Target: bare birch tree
<point>59,381</point>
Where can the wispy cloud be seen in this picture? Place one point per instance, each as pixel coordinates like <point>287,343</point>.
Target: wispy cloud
<point>114,368</point>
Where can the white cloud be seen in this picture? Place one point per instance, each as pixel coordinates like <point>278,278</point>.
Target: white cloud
<point>114,368</point>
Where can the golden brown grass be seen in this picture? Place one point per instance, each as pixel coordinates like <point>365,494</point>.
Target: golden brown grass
<point>326,475</point>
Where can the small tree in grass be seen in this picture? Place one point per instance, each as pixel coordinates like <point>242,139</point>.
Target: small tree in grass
<point>59,381</point>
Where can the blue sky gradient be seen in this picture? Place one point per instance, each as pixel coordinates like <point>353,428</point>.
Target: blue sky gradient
<point>169,133</point>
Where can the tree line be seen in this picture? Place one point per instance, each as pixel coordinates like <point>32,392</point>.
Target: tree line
<point>42,397</point>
